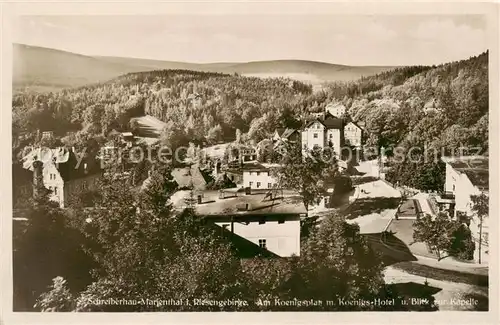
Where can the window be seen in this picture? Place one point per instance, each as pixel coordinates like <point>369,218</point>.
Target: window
<point>269,185</point>
<point>331,135</point>
<point>250,184</point>
<point>315,135</point>
<point>453,187</point>
<point>84,185</point>
<point>262,243</point>
<point>281,221</point>
<point>55,190</point>
<point>262,222</point>
<point>258,173</point>
<point>258,184</point>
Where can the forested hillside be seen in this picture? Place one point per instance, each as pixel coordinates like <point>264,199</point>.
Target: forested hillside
<point>438,107</point>
<point>198,106</point>
<point>441,108</point>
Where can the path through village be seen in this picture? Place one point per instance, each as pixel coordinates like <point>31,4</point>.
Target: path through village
<point>374,205</point>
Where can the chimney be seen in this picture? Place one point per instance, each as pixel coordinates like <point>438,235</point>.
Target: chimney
<point>199,199</point>
<point>37,178</point>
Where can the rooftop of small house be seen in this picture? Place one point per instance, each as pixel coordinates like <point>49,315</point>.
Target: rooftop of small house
<point>233,202</point>
<point>285,132</point>
<point>357,124</point>
<point>65,160</point>
<point>256,166</point>
<point>329,121</point>
<point>476,168</point>
<point>187,176</point>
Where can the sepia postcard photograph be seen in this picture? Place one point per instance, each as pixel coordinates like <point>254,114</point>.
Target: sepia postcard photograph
<point>235,157</point>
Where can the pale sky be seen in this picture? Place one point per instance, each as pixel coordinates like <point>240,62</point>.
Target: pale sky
<point>340,39</point>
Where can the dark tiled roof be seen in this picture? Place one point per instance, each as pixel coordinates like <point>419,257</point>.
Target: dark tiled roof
<point>476,168</point>
<point>478,177</point>
<point>280,131</point>
<point>287,203</point>
<point>254,166</point>
<point>287,133</point>
<point>66,162</point>
<point>470,162</point>
<point>187,176</point>
<point>332,122</point>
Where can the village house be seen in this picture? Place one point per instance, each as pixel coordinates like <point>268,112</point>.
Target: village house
<point>466,176</point>
<point>322,133</point>
<point>259,175</point>
<point>61,172</point>
<point>285,134</point>
<point>337,109</point>
<point>190,176</point>
<point>353,134</point>
<point>241,153</point>
<point>269,219</point>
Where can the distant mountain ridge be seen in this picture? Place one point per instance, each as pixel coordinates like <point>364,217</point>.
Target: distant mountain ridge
<point>49,69</point>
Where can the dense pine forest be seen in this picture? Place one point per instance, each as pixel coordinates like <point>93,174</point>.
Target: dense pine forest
<point>443,106</point>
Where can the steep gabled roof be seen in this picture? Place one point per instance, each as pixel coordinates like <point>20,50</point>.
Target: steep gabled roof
<point>280,131</point>
<point>189,176</point>
<point>287,133</point>
<point>65,160</point>
<point>476,168</point>
<point>355,124</point>
<point>314,121</point>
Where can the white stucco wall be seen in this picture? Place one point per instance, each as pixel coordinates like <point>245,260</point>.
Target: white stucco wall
<point>53,181</point>
<point>336,109</point>
<point>463,190</point>
<point>451,179</point>
<point>251,178</point>
<point>282,239</point>
<point>310,140</point>
<point>334,136</point>
<point>463,203</point>
<point>352,134</point>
